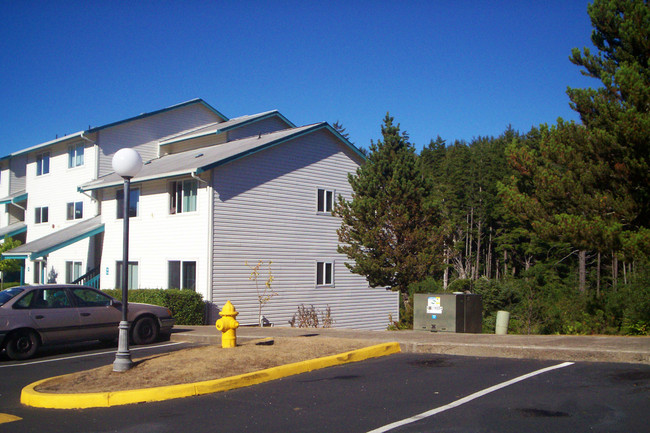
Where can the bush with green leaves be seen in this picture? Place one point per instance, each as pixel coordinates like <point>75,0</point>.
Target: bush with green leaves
<point>186,306</point>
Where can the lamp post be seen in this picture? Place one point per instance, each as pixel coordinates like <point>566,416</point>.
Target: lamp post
<point>127,163</point>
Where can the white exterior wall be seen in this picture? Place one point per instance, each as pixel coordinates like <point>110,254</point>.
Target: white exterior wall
<point>265,209</point>
<point>54,190</point>
<point>156,236</point>
<point>143,134</point>
<point>4,192</point>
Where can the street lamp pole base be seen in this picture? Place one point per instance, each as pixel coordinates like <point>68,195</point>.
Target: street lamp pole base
<point>123,360</point>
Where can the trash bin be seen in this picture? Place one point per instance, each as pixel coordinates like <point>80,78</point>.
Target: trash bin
<point>448,312</point>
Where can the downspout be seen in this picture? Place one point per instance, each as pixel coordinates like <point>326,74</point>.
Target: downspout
<point>96,148</point>
<point>194,176</point>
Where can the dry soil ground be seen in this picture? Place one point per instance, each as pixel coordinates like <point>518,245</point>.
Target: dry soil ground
<point>201,363</point>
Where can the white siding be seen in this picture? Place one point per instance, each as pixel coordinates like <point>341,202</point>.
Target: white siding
<point>157,236</point>
<point>143,134</point>
<point>265,209</point>
<point>196,143</point>
<point>54,190</point>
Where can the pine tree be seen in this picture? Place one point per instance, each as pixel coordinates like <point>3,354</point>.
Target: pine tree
<point>390,228</point>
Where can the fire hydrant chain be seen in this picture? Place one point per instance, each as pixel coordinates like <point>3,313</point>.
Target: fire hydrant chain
<point>227,325</point>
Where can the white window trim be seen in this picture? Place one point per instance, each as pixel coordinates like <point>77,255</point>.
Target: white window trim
<point>118,206</point>
<point>74,210</point>
<point>41,214</point>
<point>325,192</point>
<point>73,148</point>
<point>49,163</point>
<point>196,272</point>
<point>170,196</point>
<point>324,263</point>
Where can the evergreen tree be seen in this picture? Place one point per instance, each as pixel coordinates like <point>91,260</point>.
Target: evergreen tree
<point>391,227</point>
<point>620,110</point>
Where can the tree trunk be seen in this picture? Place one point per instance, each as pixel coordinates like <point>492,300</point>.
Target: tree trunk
<point>478,251</point>
<point>445,275</point>
<point>488,264</point>
<point>598,277</point>
<point>582,271</point>
<point>505,263</point>
<point>614,271</point>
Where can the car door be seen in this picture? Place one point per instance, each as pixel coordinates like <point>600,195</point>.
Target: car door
<point>53,315</point>
<point>98,316</point>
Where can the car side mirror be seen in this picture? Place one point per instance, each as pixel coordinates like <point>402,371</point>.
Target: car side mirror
<point>115,303</point>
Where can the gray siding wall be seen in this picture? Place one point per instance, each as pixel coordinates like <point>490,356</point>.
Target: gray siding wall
<point>265,209</point>
<point>18,167</point>
<point>143,134</point>
<point>264,126</point>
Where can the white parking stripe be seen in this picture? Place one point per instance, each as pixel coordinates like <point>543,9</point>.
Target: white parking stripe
<point>467,399</point>
<point>84,355</point>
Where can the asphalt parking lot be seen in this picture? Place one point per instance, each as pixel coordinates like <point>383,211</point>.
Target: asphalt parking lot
<point>367,396</point>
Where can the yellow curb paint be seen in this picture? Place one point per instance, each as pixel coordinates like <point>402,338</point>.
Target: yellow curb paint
<point>31,397</point>
<point>5,418</point>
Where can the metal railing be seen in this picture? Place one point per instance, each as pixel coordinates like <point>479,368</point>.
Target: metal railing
<point>90,278</point>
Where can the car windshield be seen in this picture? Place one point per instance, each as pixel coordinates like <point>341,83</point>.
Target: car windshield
<point>6,295</point>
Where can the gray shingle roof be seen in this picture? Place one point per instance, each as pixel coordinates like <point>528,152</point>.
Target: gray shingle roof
<point>59,239</point>
<point>203,159</point>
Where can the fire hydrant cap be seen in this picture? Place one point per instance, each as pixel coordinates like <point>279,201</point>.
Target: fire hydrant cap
<point>228,310</point>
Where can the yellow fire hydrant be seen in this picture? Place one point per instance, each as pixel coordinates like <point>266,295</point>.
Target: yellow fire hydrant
<point>227,325</point>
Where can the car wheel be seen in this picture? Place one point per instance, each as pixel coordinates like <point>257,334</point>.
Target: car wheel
<point>145,331</point>
<point>22,344</point>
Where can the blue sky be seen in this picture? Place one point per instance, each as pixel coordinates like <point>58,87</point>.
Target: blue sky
<point>458,69</point>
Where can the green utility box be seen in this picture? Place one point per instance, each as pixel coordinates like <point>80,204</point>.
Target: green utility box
<point>448,312</point>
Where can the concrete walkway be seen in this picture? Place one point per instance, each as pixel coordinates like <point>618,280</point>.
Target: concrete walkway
<point>552,347</point>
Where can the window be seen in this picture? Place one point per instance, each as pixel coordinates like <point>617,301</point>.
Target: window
<point>325,200</point>
<point>182,196</point>
<point>74,211</point>
<point>42,163</point>
<point>324,273</point>
<point>75,155</point>
<point>45,298</point>
<point>72,271</point>
<point>134,201</point>
<point>41,215</point>
<point>182,275</point>
<point>133,275</point>
<point>39,272</point>
<point>90,298</point>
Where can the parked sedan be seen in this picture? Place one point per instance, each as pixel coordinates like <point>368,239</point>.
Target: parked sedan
<point>31,316</point>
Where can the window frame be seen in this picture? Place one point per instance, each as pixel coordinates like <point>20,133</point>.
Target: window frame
<point>38,215</point>
<point>72,209</point>
<point>181,274</point>
<point>42,163</point>
<point>325,200</point>
<point>70,268</point>
<point>120,203</point>
<point>178,192</point>
<point>76,155</point>
<point>133,268</point>
<point>324,272</point>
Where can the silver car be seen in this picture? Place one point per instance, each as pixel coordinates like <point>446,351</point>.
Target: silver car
<point>31,316</point>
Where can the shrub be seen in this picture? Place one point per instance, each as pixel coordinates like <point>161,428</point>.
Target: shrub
<point>186,306</point>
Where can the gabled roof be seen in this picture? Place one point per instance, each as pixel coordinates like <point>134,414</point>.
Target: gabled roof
<point>80,134</point>
<point>203,159</point>
<point>219,127</point>
<point>59,239</point>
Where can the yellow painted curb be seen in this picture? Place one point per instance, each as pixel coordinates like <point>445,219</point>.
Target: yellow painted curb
<point>30,397</point>
<point>5,418</point>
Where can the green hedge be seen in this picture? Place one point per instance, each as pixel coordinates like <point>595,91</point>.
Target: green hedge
<point>186,306</point>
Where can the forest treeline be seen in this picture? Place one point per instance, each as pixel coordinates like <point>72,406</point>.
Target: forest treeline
<point>549,224</point>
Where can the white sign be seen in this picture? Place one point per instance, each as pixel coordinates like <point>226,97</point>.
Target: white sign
<point>433,305</point>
